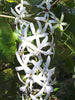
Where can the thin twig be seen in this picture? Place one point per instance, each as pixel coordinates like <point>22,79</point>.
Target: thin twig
<point>54,3</point>
<point>11,17</point>
<point>6,16</point>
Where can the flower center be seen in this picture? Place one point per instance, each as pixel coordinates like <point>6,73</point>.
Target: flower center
<point>30,74</point>
<point>46,10</point>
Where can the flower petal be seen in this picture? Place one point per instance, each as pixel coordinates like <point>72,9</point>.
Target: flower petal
<point>63,23</point>
<point>33,97</point>
<point>26,3</point>
<point>20,78</point>
<point>40,26</point>
<point>32,28</point>
<point>23,97</point>
<point>45,27</point>
<point>51,28</point>
<point>18,58</point>
<point>19,68</point>
<point>14,13</point>
<point>40,19</point>
<point>47,63</point>
<point>40,92</point>
<point>62,17</point>
<point>48,5</point>
<point>23,88</point>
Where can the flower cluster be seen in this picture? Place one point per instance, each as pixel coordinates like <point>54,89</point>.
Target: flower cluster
<point>35,52</point>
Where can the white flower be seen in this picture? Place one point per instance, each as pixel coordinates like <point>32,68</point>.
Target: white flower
<point>48,90</point>
<point>22,27</point>
<point>30,76</point>
<point>34,46</point>
<point>47,2</point>
<point>21,57</point>
<point>36,50</point>
<point>26,58</point>
<point>60,23</point>
<point>39,30</point>
<point>33,97</point>
<point>18,58</point>
<point>47,23</point>
<point>26,42</point>
<point>45,88</point>
<point>45,66</point>
<point>37,34</point>
<point>47,13</point>
<point>21,10</point>
<point>23,88</point>
<point>47,73</point>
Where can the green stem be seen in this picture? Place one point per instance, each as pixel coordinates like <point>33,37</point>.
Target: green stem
<point>67,35</point>
<point>69,47</point>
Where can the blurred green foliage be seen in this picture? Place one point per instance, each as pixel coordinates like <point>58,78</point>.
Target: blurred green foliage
<point>7,42</point>
<point>7,85</point>
<point>69,18</point>
<point>70,3</point>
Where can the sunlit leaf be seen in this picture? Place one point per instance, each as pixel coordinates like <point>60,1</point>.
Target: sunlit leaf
<point>11,1</point>
<point>7,42</point>
<point>56,89</point>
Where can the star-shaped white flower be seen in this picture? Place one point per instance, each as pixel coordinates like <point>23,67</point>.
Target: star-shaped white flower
<point>47,23</point>
<point>22,27</point>
<point>36,50</point>
<point>45,71</point>
<point>47,2</point>
<point>47,13</point>
<point>60,23</point>
<point>45,89</point>
<point>37,34</point>
<point>21,57</point>
<point>21,10</point>
<point>30,76</point>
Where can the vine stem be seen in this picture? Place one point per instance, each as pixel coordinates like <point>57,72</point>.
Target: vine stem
<point>54,3</point>
<point>6,16</point>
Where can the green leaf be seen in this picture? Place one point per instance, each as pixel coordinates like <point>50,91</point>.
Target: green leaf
<point>12,1</point>
<point>56,89</point>
<point>7,42</point>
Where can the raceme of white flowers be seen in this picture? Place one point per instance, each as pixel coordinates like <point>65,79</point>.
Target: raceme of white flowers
<point>36,50</point>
